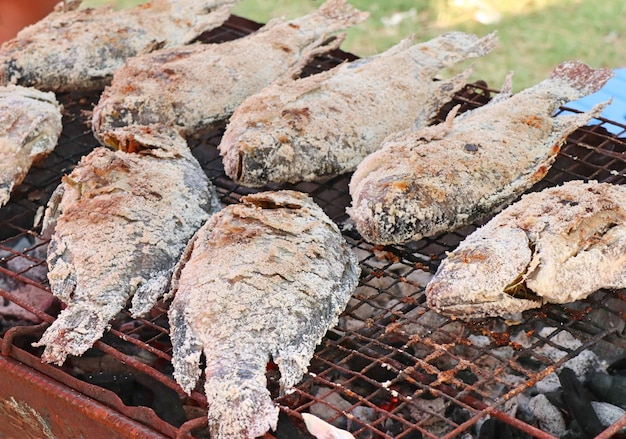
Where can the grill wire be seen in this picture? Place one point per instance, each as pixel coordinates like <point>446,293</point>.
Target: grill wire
<point>391,368</point>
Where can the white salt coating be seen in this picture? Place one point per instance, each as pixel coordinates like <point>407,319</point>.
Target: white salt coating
<point>30,126</point>
<point>194,87</point>
<point>75,49</point>
<point>119,223</point>
<point>325,124</point>
<point>427,181</point>
<point>558,245</point>
<point>263,279</point>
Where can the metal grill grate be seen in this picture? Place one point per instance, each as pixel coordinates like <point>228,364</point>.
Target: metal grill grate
<point>390,369</point>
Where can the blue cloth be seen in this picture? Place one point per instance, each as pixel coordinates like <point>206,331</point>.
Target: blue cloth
<point>615,88</point>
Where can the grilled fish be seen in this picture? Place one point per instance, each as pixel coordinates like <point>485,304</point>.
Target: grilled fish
<point>558,245</point>
<point>424,182</point>
<point>325,124</point>
<point>196,87</point>
<point>30,126</point>
<point>76,49</point>
<point>119,223</point>
<point>264,278</point>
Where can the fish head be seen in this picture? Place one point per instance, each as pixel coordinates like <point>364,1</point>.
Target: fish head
<point>485,277</point>
<point>258,144</point>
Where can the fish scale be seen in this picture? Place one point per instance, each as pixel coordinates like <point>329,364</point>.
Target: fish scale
<point>196,87</point>
<point>436,179</point>
<point>325,124</point>
<point>243,298</point>
<point>79,49</point>
<point>554,246</point>
<point>30,126</point>
<point>118,225</point>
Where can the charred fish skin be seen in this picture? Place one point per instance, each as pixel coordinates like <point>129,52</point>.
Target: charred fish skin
<point>436,179</point>
<point>321,125</point>
<point>30,126</point>
<point>554,246</point>
<point>118,224</point>
<point>262,279</point>
<point>78,49</point>
<point>199,86</point>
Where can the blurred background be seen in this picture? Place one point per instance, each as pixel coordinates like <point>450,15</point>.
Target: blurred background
<point>535,35</point>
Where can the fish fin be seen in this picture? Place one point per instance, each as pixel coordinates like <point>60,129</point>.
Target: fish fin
<point>149,293</point>
<point>187,348</point>
<point>451,48</point>
<point>209,19</point>
<point>320,46</point>
<point>75,330</point>
<point>184,258</point>
<point>333,15</point>
<point>563,125</point>
<point>53,210</point>
<point>425,134</point>
<point>506,91</point>
<point>444,92</point>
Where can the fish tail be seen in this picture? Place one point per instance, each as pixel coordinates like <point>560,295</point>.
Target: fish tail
<point>75,330</point>
<point>246,412</point>
<point>580,78</point>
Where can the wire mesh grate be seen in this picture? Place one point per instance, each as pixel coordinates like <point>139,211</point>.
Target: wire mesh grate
<point>391,368</point>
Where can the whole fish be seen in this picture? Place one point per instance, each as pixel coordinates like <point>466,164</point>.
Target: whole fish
<point>196,87</point>
<point>263,279</point>
<point>325,124</point>
<point>424,182</point>
<point>30,126</point>
<point>119,223</point>
<point>75,49</point>
<point>558,245</point>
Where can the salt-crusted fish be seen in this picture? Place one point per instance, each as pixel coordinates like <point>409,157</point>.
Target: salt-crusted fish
<point>558,245</point>
<point>262,279</point>
<point>325,124</point>
<point>119,222</point>
<point>195,87</point>
<point>30,126</point>
<point>424,182</point>
<point>75,49</point>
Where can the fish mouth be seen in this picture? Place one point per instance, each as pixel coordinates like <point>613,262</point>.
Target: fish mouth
<point>504,305</point>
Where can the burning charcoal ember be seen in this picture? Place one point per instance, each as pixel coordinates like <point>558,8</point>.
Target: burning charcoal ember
<point>578,404</point>
<point>408,189</point>
<point>557,245</point>
<point>91,43</point>
<point>30,126</point>
<point>321,125</point>
<point>199,86</point>
<point>263,279</point>
<point>549,418</point>
<point>119,222</point>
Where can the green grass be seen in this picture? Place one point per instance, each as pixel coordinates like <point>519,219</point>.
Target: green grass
<point>535,35</point>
